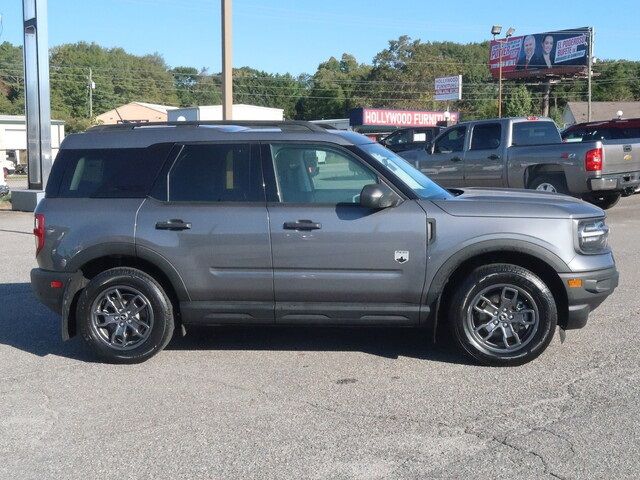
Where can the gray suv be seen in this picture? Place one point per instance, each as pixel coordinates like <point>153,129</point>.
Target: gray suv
<point>146,229</point>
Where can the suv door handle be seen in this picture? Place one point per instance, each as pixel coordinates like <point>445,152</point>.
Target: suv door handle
<point>173,224</point>
<point>302,225</point>
<point>494,156</point>
<point>455,159</point>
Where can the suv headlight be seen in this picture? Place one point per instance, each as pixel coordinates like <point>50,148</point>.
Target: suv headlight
<point>593,236</point>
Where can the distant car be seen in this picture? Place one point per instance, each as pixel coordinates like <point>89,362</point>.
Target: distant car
<point>410,138</point>
<point>615,129</point>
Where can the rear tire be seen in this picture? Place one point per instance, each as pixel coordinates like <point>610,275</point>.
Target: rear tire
<point>125,316</point>
<point>503,315</point>
<point>604,200</point>
<point>554,183</point>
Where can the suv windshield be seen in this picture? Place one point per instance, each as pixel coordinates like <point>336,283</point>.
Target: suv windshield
<point>414,179</point>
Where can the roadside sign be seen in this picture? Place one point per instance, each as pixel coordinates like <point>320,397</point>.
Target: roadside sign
<point>449,88</point>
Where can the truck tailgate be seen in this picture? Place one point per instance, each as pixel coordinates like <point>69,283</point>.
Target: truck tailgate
<point>621,156</point>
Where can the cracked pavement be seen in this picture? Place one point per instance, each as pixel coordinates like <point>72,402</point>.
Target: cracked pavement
<point>317,403</point>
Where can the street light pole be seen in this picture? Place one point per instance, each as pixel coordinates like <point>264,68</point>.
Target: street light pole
<point>227,64</point>
<point>500,80</point>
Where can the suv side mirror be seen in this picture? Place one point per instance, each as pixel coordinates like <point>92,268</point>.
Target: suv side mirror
<point>378,196</point>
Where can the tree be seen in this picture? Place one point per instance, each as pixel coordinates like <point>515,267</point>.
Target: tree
<point>518,102</point>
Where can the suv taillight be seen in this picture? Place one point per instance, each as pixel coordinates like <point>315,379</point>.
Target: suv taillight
<point>38,231</point>
<point>593,160</point>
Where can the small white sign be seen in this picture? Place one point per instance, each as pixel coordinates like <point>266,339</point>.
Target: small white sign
<point>449,88</point>
<point>401,256</point>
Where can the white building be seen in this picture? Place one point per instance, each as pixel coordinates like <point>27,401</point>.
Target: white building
<point>214,112</point>
<point>13,138</point>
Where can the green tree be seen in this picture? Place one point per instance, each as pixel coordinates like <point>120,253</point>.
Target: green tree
<point>518,102</point>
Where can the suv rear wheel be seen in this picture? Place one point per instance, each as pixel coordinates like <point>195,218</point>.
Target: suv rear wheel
<point>503,315</point>
<point>125,315</point>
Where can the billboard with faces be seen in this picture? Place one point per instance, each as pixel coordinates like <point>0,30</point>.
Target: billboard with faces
<point>562,53</point>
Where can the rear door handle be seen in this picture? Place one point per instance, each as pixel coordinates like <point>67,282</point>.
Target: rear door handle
<point>173,224</point>
<point>302,225</point>
<point>493,156</point>
<point>456,159</point>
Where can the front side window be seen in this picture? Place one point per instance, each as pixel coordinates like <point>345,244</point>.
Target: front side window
<point>215,173</point>
<point>316,174</point>
<point>451,141</point>
<point>486,137</point>
<point>400,138</point>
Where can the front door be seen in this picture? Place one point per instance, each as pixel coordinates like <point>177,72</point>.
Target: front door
<point>336,262</point>
<point>209,220</point>
<point>483,162</point>
<point>445,165</point>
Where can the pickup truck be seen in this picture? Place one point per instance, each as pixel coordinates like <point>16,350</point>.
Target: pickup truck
<point>529,153</point>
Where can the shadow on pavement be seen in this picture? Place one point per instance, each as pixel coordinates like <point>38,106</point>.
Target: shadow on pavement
<point>27,325</point>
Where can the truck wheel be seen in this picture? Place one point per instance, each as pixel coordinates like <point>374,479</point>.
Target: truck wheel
<point>604,200</point>
<point>549,183</point>
<point>125,315</point>
<point>503,315</point>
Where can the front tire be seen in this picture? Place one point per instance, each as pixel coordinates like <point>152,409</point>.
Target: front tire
<point>503,315</point>
<point>125,315</point>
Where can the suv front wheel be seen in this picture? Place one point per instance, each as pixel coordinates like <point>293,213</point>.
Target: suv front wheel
<point>503,315</point>
<point>125,315</point>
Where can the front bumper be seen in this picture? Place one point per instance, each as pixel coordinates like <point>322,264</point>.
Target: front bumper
<point>595,287</point>
<point>48,295</point>
<point>615,182</point>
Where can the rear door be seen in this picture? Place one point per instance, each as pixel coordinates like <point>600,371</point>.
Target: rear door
<point>336,262</point>
<point>483,162</point>
<point>445,165</point>
<point>208,219</point>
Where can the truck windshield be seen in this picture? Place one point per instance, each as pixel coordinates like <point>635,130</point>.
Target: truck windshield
<point>414,179</point>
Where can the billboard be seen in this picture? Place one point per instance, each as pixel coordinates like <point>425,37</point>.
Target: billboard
<point>398,118</point>
<point>449,88</point>
<point>561,53</point>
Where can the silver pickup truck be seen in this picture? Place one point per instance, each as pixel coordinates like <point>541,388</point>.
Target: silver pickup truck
<point>529,153</point>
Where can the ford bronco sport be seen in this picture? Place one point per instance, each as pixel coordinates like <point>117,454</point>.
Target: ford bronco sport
<point>150,228</point>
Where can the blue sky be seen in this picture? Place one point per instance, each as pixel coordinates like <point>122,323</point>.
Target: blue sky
<point>295,36</point>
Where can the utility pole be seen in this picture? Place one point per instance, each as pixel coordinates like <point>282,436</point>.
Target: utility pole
<point>227,64</point>
<point>500,81</point>
<point>589,73</point>
<point>91,87</point>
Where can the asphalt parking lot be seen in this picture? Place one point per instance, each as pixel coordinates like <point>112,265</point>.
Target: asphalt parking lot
<point>317,403</point>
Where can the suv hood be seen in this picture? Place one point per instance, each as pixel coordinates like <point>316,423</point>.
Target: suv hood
<point>504,202</point>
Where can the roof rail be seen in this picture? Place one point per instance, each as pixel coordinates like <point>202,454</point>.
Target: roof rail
<point>284,125</point>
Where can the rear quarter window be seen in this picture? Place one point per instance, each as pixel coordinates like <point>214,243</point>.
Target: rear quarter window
<point>106,173</point>
<point>535,133</point>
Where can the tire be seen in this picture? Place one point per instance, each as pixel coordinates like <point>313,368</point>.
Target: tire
<point>550,183</point>
<point>136,316</point>
<point>531,316</point>
<point>604,200</point>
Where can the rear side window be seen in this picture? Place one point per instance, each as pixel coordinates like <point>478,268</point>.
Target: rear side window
<point>107,173</point>
<point>486,137</point>
<point>535,133</point>
<point>215,173</point>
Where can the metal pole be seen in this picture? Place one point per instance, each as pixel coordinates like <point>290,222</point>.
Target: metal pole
<point>90,95</point>
<point>589,73</point>
<point>227,64</point>
<point>500,80</point>
<point>37,96</point>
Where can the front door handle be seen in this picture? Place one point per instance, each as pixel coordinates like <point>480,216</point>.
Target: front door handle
<point>493,156</point>
<point>302,225</point>
<point>456,159</point>
<point>173,224</point>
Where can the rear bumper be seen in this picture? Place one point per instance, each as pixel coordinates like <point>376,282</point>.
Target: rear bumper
<point>41,285</point>
<point>614,182</point>
<point>596,286</point>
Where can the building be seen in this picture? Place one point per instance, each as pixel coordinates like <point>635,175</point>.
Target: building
<point>13,138</point>
<point>577,112</point>
<point>135,112</point>
<point>214,112</point>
